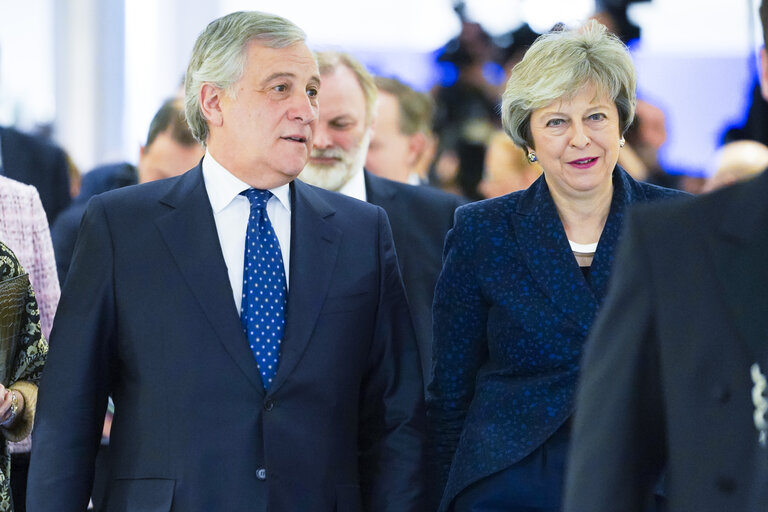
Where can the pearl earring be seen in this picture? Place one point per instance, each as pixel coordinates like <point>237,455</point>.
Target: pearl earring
<point>621,142</point>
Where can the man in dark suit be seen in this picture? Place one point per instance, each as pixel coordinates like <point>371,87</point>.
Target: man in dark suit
<point>673,378</point>
<point>33,161</point>
<point>420,216</point>
<point>325,415</point>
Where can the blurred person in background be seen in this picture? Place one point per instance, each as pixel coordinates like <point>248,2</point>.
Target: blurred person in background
<point>506,168</point>
<point>34,161</point>
<point>524,275</point>
<point>467,107</point>
<point>737,161</point>
<point>402,144</point>
<point>170,150</point>
<point>420,216</point>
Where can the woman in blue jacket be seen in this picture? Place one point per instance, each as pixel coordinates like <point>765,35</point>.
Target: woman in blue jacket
<point>524,275</point>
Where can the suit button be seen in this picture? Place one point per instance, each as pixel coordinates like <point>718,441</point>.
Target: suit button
<point>726,485</point>
<point>261,474</point>
<point>269,404</point>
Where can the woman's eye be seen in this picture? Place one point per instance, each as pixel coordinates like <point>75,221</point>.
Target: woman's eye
<point>555,122</point>
<point>597,117</point>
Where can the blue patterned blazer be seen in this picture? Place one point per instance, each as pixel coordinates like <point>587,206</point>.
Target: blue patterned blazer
<point>511,313</point>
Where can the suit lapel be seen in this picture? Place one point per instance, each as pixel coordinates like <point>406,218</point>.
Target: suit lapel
<point>314,249</point>
<point>190,233</point>
<point>545,250</point>
<point>739,249</point>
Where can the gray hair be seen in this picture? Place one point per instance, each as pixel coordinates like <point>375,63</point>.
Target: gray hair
<point>219,56</point>
<point>557,66</point>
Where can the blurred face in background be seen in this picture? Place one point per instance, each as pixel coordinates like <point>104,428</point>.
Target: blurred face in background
<point>165,158</point>
<point>577,143</point>
<point>390,155</point>
<point>342,135</point>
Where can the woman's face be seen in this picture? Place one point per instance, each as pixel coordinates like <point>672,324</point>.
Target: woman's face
<point>577,142</point>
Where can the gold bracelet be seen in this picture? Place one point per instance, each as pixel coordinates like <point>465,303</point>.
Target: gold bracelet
<point>14,410</point>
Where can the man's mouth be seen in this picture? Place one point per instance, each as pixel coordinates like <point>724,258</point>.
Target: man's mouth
<point>295,138</point>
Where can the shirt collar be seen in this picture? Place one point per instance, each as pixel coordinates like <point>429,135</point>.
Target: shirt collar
<point>355,186</point>
<point>223,186</point>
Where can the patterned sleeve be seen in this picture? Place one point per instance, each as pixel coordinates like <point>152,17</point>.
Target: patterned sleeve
<point>34,347</point>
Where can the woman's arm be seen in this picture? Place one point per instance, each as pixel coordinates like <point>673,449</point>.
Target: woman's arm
<point>459,317</point>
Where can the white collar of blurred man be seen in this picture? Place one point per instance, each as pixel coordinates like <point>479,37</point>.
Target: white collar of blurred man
<point>343,131</point>
<point>165,157</point>
<point>393,154</point>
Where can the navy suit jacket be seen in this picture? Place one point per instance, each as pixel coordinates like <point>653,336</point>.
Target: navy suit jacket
<point>35,162</point>
<point>666,381</point>
<point>512,310</point>
<point>147,316</point>
<point>420,217</point>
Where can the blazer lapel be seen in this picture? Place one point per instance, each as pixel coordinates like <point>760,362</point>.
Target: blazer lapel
<point>314,249</point>
<point>545,250</point>
<point>739,249</point>
<point>625,192</point>
<point>190,233</point>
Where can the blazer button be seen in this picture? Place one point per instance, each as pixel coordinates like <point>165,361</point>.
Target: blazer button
<point>269,404</point>
<point>261,474</point>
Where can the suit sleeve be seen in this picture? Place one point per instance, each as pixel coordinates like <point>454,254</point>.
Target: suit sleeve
<point>460,315</point>
<point>75,384</point>
<point>618,444</point>
<point>392,431</point>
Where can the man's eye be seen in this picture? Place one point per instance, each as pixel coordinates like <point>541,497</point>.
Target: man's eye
<point>312,92</point>
<point>280,88</point>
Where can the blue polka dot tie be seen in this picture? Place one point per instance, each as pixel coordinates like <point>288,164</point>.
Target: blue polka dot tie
<point>264,288</point>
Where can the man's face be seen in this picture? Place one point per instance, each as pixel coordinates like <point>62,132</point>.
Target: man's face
<point>261,130</point>
<point>391,155</point>
<point>342,134</point>
<point>165,158</point>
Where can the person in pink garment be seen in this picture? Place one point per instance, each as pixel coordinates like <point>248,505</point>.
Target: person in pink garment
<point>24,229</point>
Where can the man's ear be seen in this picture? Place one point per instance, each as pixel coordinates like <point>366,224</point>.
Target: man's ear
<point>764,73</point>
<point>416,145</point>
<point>210,104</point>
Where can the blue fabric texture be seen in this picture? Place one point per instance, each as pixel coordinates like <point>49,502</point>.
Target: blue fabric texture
<point>511,313</point>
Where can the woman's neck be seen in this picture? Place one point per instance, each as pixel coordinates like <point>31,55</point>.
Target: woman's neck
<point>584,216</point>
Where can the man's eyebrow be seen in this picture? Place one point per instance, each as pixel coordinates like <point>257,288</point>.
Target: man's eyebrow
<point>275,76</point>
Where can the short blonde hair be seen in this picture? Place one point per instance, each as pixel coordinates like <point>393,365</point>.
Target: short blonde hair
<point>328,61</point>
<point>557,66</point>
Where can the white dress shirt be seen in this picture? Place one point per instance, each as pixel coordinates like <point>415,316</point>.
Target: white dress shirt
<point>355,186</point>
<point>231,212</point>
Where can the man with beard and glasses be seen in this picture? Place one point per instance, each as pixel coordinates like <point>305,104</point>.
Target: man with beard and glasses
<point>420,216</point>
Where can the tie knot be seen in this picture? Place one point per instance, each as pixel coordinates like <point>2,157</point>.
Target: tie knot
<point>257,197</point>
